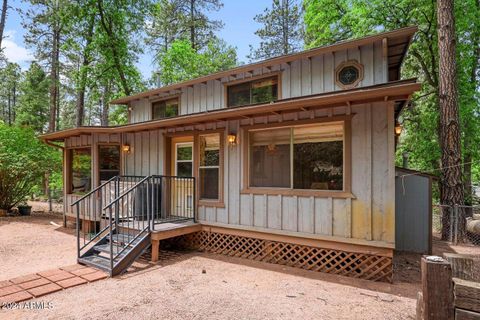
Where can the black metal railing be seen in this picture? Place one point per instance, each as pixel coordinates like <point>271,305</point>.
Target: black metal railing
<point>89,208</point>
<point>151,201</point>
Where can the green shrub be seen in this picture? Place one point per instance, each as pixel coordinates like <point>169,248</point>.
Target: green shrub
<point>24,160</point>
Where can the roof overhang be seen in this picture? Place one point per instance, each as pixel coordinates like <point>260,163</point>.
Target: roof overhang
<point>395,91</point>
<point>396,41</point>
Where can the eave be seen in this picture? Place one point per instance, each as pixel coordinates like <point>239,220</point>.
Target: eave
<point>397,91</point>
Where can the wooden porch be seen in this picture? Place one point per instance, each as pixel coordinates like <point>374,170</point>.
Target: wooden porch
<point>170,230</point>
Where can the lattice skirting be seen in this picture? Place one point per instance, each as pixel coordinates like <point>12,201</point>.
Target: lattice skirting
<point>357,265</point>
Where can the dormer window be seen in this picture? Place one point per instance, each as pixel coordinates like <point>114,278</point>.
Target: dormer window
<point>165,108</point>
<point>252,92</point>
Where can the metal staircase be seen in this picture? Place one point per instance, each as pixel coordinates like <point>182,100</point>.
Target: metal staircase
<point>130,207</point>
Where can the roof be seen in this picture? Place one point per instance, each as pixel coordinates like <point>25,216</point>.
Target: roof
<point>397,91</point>
<point>397,43</point>
<point>412,172</point>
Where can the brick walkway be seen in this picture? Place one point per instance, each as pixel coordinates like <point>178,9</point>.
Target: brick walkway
<point>42,283</point>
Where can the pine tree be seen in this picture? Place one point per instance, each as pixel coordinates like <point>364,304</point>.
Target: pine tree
<point>281,33</point>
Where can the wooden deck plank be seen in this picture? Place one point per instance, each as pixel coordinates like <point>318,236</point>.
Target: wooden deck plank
<point>170,230</point>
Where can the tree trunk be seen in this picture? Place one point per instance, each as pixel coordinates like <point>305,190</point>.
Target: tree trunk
<point>80,104</point>
<point>55,54</point>
<point>192,24</point>
<point>2,20</point>
<point>451,185</point>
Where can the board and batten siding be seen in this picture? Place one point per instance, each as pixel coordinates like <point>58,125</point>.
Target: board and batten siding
<point>369,215</point>
<point>299,78</point>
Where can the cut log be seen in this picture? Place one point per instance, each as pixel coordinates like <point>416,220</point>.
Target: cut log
<point>473,226</point>
<point>461,314</point>
<point>466,267</point>
<point>467,294</point>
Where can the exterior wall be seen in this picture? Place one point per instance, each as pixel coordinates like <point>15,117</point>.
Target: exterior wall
<point>92,141</point>
<point>299,78</point>
<point>368,215</point>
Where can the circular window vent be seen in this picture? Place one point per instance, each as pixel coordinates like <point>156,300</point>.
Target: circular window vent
<point>349,74</point>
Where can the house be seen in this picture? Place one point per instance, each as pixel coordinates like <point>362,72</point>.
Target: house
<point>288,160</point>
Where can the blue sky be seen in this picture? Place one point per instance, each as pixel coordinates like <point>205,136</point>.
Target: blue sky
<point>238,31</point>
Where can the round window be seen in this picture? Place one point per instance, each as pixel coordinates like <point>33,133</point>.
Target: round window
<point>348,75</point>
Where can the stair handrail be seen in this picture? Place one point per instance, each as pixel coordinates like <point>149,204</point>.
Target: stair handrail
<point>109,206</point>
<point>94,190</point>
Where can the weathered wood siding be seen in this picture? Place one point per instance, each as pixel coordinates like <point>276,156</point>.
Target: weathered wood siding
<point>369,216</point>
<point>299,78</point>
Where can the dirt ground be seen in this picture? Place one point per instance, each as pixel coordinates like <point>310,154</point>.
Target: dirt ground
<point>177,288</point>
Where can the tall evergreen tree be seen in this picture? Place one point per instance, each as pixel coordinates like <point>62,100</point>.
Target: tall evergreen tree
<point>9,77</point>
<point>33,99</point>
<point>282,31</point>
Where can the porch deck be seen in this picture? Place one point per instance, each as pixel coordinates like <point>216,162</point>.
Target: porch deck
<point>170,230</point>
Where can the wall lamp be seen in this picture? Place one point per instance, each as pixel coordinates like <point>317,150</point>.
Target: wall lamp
<point>398,129</point>
<point>232,139</point>
<point>126,148</point>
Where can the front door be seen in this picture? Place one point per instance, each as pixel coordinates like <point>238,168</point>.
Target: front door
<point>182,167</point>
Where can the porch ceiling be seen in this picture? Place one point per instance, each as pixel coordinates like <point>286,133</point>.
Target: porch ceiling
<point>396,91</point>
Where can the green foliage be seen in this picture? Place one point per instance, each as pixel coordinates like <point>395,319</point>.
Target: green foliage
<point>281,33</point>
<point>23,162</point>
<point>10,76</point>
<point>33,99</point>
<point>181,62</point>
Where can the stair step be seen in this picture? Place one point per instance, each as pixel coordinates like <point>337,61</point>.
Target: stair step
<point>105,248</point>
<point>125,238</point>
<point>96,261</point>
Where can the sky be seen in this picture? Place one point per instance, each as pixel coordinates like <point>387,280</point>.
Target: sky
<point>239,31</point>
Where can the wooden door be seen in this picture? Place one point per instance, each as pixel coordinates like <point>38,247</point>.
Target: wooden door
<point>182,167</point>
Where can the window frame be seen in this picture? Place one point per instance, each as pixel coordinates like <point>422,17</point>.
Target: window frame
<point>97,160</point>
<point>347,174</point>
<point>69,169</point>
<point>153,101</point>
<point>277,74</point>
<point>210,202</point>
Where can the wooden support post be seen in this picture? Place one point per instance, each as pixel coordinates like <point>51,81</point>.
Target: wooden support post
<point>155,249</point>
<point>437,290</point>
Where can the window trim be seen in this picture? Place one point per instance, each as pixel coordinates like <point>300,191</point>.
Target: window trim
<point>219,203</point>
<point>166,98</point>
<point>349,63</point>
<point>277,74</point>
<point>347,163</point>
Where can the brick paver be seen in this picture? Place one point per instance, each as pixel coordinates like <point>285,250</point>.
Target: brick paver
<point>5,283</point>
<point>95,276</point>
<point>49,273</point>
<point>22,279</point>
<point>9,290</point>
<point>43,290</point>
<point>60,276</point>
<point>81,272</point>
<point>16,297</point>
<point>34,283</point>
<point>72,282</point>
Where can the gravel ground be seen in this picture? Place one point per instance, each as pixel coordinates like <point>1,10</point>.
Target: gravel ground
<point>177,288</point>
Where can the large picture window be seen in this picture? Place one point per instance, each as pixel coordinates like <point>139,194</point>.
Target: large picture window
<point>301,157</point>
<point>80,170</point>
<point>252,92</point>
<point>165,109</point>
<point>209,166</point>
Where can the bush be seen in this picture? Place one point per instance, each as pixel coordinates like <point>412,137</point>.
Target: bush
<point>24,160</point>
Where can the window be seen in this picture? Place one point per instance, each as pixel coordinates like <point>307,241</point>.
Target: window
<point>80,170</point>
<point>184,159</point>
<point>348,74</point>
<point>209,166</point>
<point>257,91</point>
<point>301,157</point>
<point>108,162</point>
<point>165,109</point>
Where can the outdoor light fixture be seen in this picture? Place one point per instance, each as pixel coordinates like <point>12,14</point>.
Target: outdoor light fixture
<point>232,139</point>
<point>398,129</point>
<point>126,148</point>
